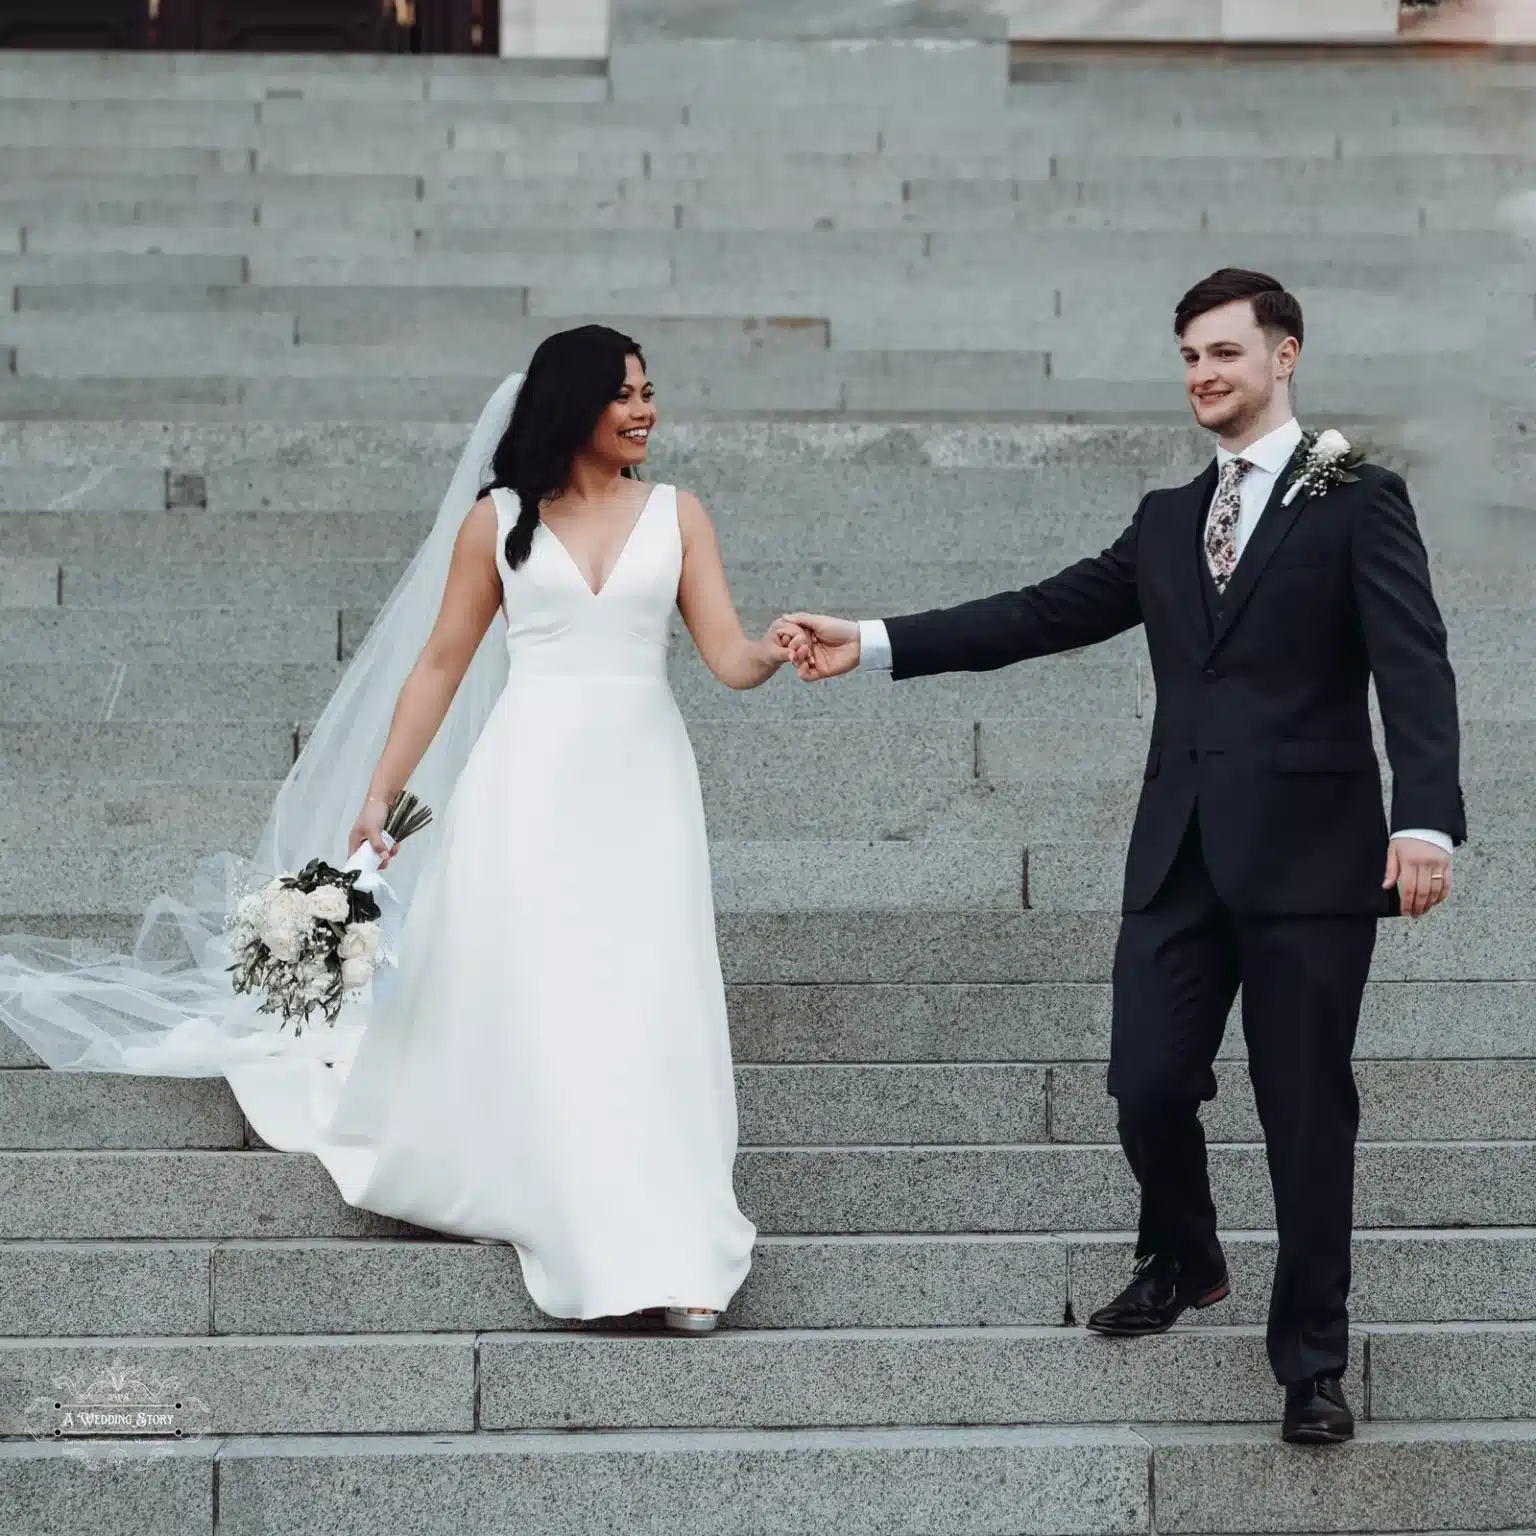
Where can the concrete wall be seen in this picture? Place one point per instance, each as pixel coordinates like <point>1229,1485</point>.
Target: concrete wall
<point>554,29</point>
<point>1480,21</point>
<point>650,20</point>
<point>584,29</point>
<point>1202,20</point>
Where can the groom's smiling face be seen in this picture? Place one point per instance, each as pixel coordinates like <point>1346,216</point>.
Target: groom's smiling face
<point>1233,368</point>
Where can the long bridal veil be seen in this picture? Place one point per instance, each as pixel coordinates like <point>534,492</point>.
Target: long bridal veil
<point>168,1009</point>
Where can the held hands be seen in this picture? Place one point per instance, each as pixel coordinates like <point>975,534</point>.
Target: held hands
<point>1420,871</point>
<point>825,647</point>
<point>369,828</point>
<point>778,644</point>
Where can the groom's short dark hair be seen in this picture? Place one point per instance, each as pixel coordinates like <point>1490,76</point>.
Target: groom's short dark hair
<point>1277,311</point>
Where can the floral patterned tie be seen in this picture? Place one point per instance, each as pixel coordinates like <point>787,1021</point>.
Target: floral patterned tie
<point>1221,529</point>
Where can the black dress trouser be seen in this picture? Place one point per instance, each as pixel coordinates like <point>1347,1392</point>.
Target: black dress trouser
<point>1178,966</point>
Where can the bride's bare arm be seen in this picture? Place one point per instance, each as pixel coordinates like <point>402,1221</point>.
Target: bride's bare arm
<point>470,599</point>
<point>704,598</point>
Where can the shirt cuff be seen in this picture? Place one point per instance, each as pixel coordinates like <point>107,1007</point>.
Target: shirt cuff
<point>874,646</point>
<point>1439,839</point>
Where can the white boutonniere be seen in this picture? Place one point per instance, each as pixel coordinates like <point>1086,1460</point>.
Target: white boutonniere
<point>1329,461</point>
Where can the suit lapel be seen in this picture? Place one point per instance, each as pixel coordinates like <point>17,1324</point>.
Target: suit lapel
<point>1189,545</point>
<point>1273,525</point>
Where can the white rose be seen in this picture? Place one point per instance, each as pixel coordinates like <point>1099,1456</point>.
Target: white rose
<point>360,941</point>
<point>356,973</point>
<point>329,903</point>
<point>1331,445</point>
<point>286,924</point>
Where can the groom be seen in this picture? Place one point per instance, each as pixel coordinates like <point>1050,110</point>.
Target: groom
<point>1259,857</point>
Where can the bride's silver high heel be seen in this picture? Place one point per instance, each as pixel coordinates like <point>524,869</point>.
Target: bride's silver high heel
<point>681,1320</point>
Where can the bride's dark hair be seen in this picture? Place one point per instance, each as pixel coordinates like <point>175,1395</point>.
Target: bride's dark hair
<point>573,377</point>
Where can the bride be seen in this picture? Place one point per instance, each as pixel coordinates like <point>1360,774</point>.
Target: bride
<point>550,1066</point>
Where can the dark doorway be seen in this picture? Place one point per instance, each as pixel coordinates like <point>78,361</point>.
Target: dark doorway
<point>254,26</point>
<point>108,24</point>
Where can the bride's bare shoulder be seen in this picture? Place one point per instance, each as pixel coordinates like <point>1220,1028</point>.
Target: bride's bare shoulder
<point>477,533</point>
<point>690,510</point>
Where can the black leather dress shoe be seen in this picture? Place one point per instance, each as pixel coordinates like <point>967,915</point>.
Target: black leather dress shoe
<point>1316,1413</point>
<point>1158,1295</point>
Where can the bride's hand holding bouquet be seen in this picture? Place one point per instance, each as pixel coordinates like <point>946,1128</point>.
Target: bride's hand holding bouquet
<point>369,829</point>
<point>307,941</point>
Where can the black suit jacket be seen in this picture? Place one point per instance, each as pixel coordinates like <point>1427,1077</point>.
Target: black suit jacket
<point>1262,702</point>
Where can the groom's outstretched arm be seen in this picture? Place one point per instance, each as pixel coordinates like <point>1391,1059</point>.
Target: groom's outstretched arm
<point>1082,605</point>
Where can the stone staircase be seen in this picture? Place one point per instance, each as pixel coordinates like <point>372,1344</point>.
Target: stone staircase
<point>910,325</point>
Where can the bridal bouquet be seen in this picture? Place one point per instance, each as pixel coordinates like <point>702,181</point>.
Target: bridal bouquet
<point>307,941</point>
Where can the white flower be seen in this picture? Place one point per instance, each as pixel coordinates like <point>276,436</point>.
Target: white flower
<point>286,924</point>
<point>329,903</point>
<point>359,941</point>
<point>1330,445</point>
<point>356,973</point>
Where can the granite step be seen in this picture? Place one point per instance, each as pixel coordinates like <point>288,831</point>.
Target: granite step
<point>358,583</point>
<point>110,846</point>
<point>1091,684</point>
<point>999,750</point>
<point>881,390</point>
<point>784,1378</point>
<point>240,76</point>
<point>267,619</point>
<point>1047,500</point>
<point>303,1286</point>
<point>851,948</point>
<point>1056,1022</point>
<point>929,205</point>
<point>683,449</point>
<point>862,1482</point>
<point>1066,1022</point>
<point>877,388</point>
<point>983,946</point>
<point>922,1189</point>
<point>790,1378</point>
<point>1075,1482</point>
<point>937,1103</point>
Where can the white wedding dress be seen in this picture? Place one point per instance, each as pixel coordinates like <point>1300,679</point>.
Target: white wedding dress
<point>553,1066</point>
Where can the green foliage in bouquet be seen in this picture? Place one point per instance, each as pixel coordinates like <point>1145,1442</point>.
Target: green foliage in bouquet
<point>304,940</point>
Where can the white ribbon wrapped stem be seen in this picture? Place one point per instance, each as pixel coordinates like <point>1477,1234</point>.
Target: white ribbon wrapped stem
<point>367,860</point>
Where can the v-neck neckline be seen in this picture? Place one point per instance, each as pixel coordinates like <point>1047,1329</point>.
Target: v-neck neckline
<point>613,570</point>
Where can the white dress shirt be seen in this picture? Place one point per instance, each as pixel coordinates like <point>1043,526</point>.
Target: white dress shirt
<point>1269,456</point>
